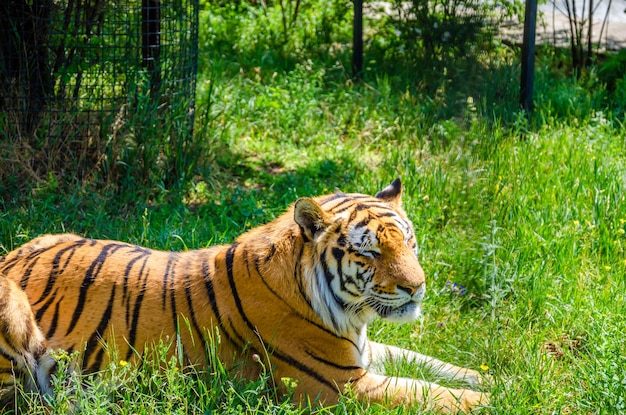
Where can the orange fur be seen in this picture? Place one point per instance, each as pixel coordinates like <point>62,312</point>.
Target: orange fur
<point>303,288</point>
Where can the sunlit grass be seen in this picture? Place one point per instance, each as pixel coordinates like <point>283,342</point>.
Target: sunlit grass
<point>521,224</point>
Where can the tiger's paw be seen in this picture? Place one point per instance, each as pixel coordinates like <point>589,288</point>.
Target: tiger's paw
<point>462,401</point>
<point>472,399</point>
<point>475,378</point>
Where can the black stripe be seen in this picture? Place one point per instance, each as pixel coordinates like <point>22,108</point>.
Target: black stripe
<point>230,256</point>
<point>240,343</point>
<point>139,277</point>
<point>329,278</point>
<point>97,363</point>
<point>40,312</point>
<point>352,215</point>
<point>366,198</point>
<point>387,214</point>
<point>98,333</point>
<point>332,364</point>
<point>305,369</point>
<point>364,222</point>
<point>342,206</point>
<point>7,339</point>
<point>230,259</point>
<point>347,198</point>
<point>208,283</point>
<point>327,274</point>
<point>338,254</point>
<point>143,253</point>
<point>55,320</point>
<point>192,313</point>
<point>55,268</point>
<point>357,379</point>
<point>7,356</point>
<point>381,385</point>
<point>361,204</point>
<point>271,290</point>
<point>170,260</point>
<point>26,342</point>
<point>90,276</point>
<point>365,206</point>
<point>342,240</point>
<point>363,277</point>
<point>27,272</point>
<point>4,331</point>
<point>298,276</point>
<point>245,260</point>
<point>303,235</point>
<point>334,196</point>
<point>173,301</point>
<point>10,264</point>
<point>132,333</point>
<point>270,255</point>
<point>380,230</point>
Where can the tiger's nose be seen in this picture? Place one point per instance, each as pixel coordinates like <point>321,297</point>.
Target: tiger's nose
<point>410,289</point>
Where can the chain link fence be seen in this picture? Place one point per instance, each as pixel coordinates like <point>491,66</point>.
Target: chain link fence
<point>97,87</point>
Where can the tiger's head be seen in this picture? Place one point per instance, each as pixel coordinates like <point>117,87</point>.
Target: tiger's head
<point>360,258</point>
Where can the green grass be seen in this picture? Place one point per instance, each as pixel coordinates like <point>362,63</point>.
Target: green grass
<point>528,216</point>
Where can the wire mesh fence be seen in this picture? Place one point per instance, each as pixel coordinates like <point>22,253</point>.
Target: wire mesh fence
<point>97,87</point>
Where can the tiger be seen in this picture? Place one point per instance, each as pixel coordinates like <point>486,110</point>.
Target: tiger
<point>296,295</point>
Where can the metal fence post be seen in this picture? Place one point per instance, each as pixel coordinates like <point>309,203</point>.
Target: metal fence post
<point>528,56</point>
<point>357,40</point>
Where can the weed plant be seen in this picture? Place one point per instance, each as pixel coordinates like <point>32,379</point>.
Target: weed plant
<point>521,221</point>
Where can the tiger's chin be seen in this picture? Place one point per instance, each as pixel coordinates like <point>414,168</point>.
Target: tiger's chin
<point>404,314</point>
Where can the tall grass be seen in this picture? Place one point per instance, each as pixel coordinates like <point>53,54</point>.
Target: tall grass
<point>521,222</point>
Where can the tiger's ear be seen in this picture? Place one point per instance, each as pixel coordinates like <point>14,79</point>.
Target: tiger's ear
<point>310,216</point>
<point>392,193</point>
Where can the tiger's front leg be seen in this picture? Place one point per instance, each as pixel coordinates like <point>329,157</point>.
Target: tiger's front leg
<point>383,352</point>
<point>416,393</point>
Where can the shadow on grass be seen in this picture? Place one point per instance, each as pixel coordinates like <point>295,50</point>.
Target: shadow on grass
<point>246,198</point>
<point>254,195</point>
